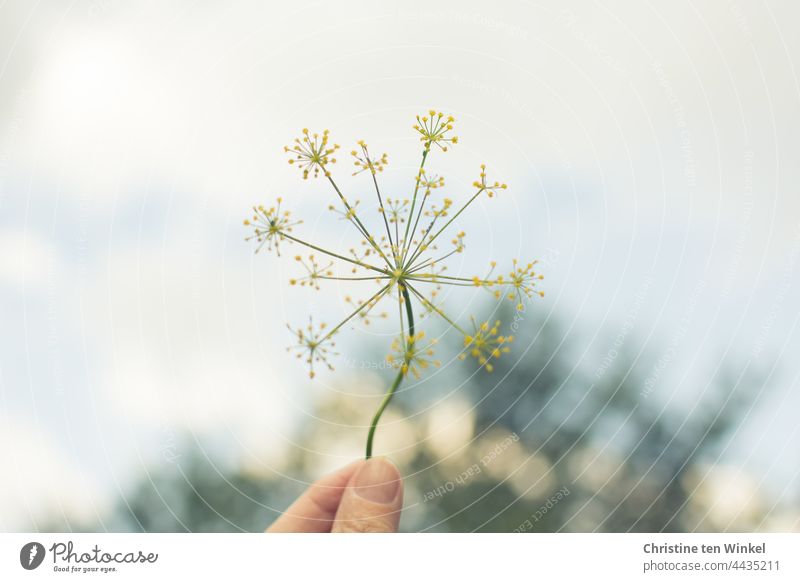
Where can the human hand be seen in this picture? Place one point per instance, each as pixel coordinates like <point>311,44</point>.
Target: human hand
<point>363,497</point>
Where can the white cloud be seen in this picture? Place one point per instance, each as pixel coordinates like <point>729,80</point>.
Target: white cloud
<point>25,258</point>
<point>39,482</point>
<point>186,348</point>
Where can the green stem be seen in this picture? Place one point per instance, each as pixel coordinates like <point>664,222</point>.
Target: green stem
<point>332,254</point>
<point>399,378</point>
<point>376,278</point>
<point>383,210</point>
<point>406,242</point>
<point>431,262</point>
<point>421,248</point>
<point>356,312</point>
<point>432,307</point>
<point>351,214</point>
<point>416,223</point>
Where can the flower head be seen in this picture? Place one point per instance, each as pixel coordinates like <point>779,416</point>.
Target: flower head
<point>412,354</point>
<point>312,153</point>
<point>458,241</point>
<point>270,226</point>
<point>365,314</point>
<point>490,188</point>
<point>519,285</point>
<point>397,255</point>
<point>313,345</point>
<point>437,211</point>
<point>429,182</point>
<point>347,213</point>
<point>396,210</point>
<point>314,272</point>
<point>434,129</point>
<point>522,281</point>
<point>363,162</point>
<point>485,343</point>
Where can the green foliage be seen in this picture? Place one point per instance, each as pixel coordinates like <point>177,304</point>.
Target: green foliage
<point>624,459</point>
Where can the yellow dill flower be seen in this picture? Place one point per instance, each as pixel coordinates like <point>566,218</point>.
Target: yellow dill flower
<point>314,345</point>
<point>485,343</point>
<point>458,242</point>
<point>363,162</point>
<point>437,211</point>
<point>314,271</point>
<point>434,129</point>
<point>312,153</point>
<point>484,186</point>
<point>411,356</point>
<point>403,261</point>
<point>520,284</point>
<point>431,182</point>
<point>522,281</point>
<point>365,315</point>
<point>270,225</point>
<point>396,210</point>
<point>346,213</point>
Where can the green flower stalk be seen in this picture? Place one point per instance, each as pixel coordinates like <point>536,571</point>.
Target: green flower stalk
<point>404,260</point>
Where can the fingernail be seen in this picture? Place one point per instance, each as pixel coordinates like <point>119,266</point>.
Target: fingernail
<point>377,480</point>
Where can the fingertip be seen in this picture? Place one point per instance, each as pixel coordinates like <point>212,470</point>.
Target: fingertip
<point>377,480</point>
<point>373,499</point>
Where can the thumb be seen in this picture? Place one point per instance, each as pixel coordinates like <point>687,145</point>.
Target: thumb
<point>372,501</point>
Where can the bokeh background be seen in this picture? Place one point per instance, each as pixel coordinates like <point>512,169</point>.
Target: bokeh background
<point>651,151</point>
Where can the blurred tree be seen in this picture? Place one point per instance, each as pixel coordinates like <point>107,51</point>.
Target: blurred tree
<point>557,446</point>
<point>622,457</point>
<point>199,494</point>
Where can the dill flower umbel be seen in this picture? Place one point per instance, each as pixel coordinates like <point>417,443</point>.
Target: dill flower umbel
<point>404,261</point>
